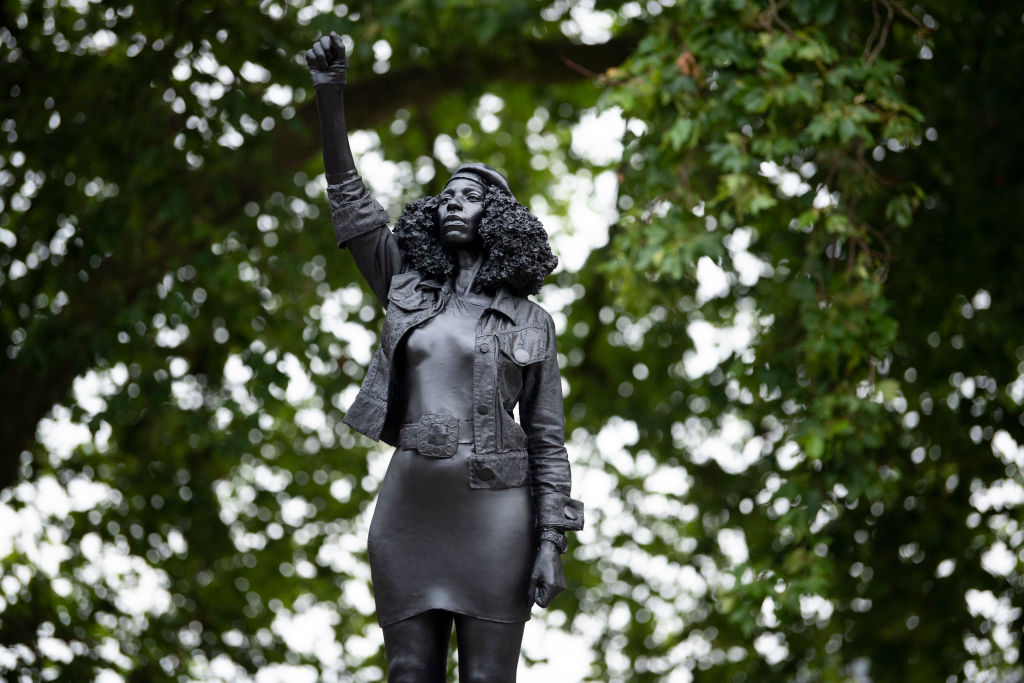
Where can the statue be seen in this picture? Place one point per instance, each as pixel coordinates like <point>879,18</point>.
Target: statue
<point>471,517</point>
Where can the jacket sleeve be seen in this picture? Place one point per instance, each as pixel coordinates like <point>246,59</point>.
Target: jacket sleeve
<point>361,225</point>
<point>543,419</point>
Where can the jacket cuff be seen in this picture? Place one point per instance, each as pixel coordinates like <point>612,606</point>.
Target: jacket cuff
<point>353,211</point>
<point>559,511</point>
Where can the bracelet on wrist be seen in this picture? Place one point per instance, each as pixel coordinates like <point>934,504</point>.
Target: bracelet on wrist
<point>556,537</point>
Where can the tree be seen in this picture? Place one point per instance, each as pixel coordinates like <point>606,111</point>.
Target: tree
<point>847,166</point>
<point>166,247</point>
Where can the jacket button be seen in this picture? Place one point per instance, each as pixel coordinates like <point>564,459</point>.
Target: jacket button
<point>522,355</point>
<point>484,473</point>
<point>482,410</point>
<point>485,347</point>
<point>571,513</point>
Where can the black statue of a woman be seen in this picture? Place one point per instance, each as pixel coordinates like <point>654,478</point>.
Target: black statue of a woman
<point>472,514</point>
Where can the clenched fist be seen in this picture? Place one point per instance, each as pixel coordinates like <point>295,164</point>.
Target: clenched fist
<point>326,61</point>
<point>548,578</point>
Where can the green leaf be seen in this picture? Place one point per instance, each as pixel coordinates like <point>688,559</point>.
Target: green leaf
<point>889,388</point>
<point>899,210</point>
<point>680,133</point>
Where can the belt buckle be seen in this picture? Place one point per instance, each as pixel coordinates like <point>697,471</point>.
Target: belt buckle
<point>438,435</point>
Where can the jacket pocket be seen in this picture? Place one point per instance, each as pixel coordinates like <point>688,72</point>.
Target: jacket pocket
<point>407,307</point>
<point>408,302</point>
<point>498,470</point>
<point>404,292</point>
<point>526,346</point>
<point>402,285</point>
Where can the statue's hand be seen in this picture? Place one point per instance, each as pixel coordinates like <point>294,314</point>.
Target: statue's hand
<point>547,579</point>
<point>326,61</point>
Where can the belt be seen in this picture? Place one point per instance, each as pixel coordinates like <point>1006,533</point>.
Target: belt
<point>436,436</point>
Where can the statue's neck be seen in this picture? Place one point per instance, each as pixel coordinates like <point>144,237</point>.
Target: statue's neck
<point>467,265</point>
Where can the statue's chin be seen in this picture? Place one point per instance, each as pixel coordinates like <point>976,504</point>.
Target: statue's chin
<point>457,236</point>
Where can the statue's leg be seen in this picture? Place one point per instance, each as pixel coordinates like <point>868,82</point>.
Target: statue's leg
<point>488,650</point>
<point>417,648</point>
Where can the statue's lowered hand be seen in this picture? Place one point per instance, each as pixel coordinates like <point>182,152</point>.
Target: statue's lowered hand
<point>548,578</point>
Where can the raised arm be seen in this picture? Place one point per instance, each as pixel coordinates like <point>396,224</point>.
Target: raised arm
<point>360,223</point>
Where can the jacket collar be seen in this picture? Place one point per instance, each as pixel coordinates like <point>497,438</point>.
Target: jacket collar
<point>504,302</point>
<point>429,284</point>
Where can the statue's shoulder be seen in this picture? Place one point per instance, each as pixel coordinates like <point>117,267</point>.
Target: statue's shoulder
<point>532,313</point>
<point>535,310</point>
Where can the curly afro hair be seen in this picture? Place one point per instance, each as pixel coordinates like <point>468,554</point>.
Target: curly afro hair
<point>517,255</point>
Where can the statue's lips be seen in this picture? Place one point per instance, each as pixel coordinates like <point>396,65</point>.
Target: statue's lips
<point>454,222</point>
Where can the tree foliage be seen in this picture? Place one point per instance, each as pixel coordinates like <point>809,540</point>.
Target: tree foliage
<point>835,495</point>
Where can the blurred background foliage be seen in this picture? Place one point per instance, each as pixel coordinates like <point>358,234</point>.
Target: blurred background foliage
<point>824,193</point>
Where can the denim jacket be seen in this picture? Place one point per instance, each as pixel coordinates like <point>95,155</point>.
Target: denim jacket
<point>514,361</point>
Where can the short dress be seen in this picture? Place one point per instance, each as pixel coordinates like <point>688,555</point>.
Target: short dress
<point>434,542</point>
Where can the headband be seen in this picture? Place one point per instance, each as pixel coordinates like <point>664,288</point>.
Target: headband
<point>483,174</point>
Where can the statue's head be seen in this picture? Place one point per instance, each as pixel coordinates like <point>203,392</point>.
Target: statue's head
<point>476,209</point>
<point>462,204</point>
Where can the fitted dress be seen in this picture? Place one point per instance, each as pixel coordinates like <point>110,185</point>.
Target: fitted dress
<point>435,542</point>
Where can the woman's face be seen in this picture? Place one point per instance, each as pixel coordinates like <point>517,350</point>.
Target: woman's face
<point>459,210</point>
